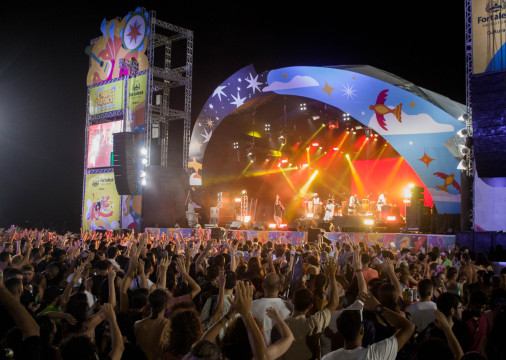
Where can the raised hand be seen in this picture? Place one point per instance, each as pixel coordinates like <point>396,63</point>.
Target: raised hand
<point>370,302</point>
<point>356,263</point>
<point>440,320</point>
<point>243,298</point>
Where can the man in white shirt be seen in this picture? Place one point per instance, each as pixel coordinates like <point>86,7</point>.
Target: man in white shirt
<point>349,325</point>
<point>271,285</point>
<point>423,312</point>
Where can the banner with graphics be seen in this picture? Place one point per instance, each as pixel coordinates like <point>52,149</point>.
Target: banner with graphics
<point>107,97</point>
<point>489,35</point>
<point>101,203</point>
<point>136,102</point>
<point>131,210</point>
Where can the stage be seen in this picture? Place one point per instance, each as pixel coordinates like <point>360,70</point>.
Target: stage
<point>391,240</point>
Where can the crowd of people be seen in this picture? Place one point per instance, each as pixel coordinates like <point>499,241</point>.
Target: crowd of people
<point>137,296</point>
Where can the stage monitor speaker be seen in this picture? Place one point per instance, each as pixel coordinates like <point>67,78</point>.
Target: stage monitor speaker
<point>163,197</point>
<point>235,225</point>
<point>488,113</point>
<point>324,225</point>
<point>260,225</point>
<point>312,235</point>
<point>292,226</point>
<point>126,161</point>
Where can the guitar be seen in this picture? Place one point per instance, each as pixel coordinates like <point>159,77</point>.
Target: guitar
<point>103,68</point>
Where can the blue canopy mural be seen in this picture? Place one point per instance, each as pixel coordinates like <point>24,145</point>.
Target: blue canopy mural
<point>416,128</point>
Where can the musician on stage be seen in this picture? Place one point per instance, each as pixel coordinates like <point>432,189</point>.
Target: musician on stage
<point>382,200</point>
<point>329,210</point>
<point>317,205</point>
<point>278,211</point>
<point>353,204</point>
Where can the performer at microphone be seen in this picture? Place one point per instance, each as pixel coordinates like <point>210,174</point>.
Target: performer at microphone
<point>329,210</point>
<point>382,200</point>
<point>278,211</point>
<point>353,204</point>
<point>317,206</point>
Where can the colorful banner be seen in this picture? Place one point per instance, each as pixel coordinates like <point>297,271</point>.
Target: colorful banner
<point>131,210</point>
<point>105,98</point>
<point>121,41</point>
<point>101,203</point>
<point>136,102</point>
<point>100,143</point>
<point>489,35</point>
<point>423,242</point>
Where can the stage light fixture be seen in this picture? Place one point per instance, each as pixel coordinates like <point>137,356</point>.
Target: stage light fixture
<point>143,182</point>
<point>463,132</point>
<point>267,127</point>
<point>237,200</point>
<point>303,107</point>
<point>336,149</point>
<point>368,222</point>
<point>305,165</point>
<point>315,117</point>
<point>143,174</point>
<point>272,226</point>
<point>144,151</point>
<point>315,144</point>
<point>236,145</point>
<point>144,161</point>
<point>348,156</point>
<point>247,219</point>
<point>463,165</point>
<point>464,117</point>
<point>391,218</point>
<point>244,192</point>
<point>464,150</point>
<point>309,216</point>
<point>307,149</point>
<point>284,161</point>
<point>346,117</point>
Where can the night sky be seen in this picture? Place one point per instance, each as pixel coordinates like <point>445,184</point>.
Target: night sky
<point>43,70</point>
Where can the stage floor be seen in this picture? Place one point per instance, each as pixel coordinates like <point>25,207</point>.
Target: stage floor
<point>397,240</point>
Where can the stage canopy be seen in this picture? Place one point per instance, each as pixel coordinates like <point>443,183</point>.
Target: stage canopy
<point>419,124</point>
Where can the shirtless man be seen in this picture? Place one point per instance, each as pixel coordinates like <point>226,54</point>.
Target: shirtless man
<point>467,269</point>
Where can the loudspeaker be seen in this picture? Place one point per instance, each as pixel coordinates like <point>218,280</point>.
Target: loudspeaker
<point>235,225</point>
<point>418,217</point>
<point>126,171</point>
<point>312,235</point>
<point>163,197</point>
<point>292,226</point>
<point>324,225</point>
<point>259,225</point>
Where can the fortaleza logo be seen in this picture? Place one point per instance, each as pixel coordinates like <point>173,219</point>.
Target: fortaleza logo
<point>101,181</point>
<point>495,11</point>
<point>105,97</point>
<point>136,89</point>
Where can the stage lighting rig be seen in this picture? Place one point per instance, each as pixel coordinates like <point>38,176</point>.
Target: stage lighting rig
<point>236,145</point>
<point>346,117</point>
<point>303,107</point>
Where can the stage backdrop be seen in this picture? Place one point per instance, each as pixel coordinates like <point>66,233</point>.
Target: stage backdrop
<point>392,176</point>
<point>101,202</point>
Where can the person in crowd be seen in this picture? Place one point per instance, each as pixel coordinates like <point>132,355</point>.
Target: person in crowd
<point>422,313</point>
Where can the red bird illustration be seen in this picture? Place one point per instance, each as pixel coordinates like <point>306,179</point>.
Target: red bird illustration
<point>449,180</point>
<point>381,110</point>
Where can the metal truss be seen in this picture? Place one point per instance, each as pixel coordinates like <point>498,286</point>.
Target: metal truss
<point>469,52</point>
<point>244,207</point>
<point>161,80</point>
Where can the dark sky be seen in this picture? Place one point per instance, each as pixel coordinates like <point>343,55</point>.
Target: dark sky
<point>43,69</point>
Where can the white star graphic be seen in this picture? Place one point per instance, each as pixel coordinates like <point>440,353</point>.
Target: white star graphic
<point>253,83</point>
<point>206,135</point>
<point>219,92</point>
<point>211,106</point>
<point>238,101</point>
<point>348,91</point>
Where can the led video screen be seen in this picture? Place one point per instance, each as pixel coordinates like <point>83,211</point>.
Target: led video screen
<point>100,143</point>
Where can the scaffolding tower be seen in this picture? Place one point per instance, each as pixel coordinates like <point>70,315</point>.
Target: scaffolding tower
<point>164,77</point>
